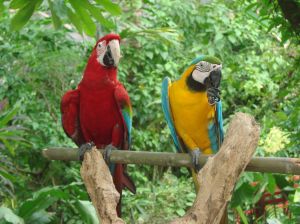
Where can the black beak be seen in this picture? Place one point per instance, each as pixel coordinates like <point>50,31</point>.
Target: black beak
<point>212,83</point>
<point>108,59</point>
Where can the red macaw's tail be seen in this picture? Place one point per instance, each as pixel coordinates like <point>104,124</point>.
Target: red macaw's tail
<point>122,180</point>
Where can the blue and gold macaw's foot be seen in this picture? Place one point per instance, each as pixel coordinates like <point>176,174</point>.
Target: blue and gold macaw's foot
<point>83,148</point>
<point>195,154</point>
<point>107,153</point>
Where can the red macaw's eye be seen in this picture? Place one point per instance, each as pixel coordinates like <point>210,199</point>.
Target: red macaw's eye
<point>101,47</point>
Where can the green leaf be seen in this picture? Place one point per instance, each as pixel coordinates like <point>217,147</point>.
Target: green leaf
<point>40,201</point>
<point>271,183</point>
<point>98,15</point>
<point>16,4</point>
<point>55,19</point>
<point>87,212</point>
<point>40,217</point>
<point>10,148</point>
<point>75,20</point>
<point>241,214</point>
<point>297,195</point>
<point>87,23</point>
<point>244,194</point>
<point>23,15</point>
<point>260,192</point>
<point>6,214</point>
<point>2,5</point>
<point>7,175</point>
<point>281,181</point>
<point>112,8</point>
<point>232,39</point>
<point>51,191</point>
<point>31,206</point>
<point>8,116</point>
<point>180,212</point>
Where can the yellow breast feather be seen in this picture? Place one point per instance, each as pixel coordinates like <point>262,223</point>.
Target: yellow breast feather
<point>191,114</point>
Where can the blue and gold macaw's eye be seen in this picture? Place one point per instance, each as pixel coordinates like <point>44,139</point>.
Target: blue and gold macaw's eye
<point>203,66</point>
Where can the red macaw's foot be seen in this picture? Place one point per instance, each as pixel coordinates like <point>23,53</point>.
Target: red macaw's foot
<point>195,154</point>
<point>107,153</point>
<point>83,148</point>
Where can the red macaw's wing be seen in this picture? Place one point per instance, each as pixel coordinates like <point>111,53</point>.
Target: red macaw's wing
<point>125,108</point>
<point>123,102</point>
<point>70,116</point>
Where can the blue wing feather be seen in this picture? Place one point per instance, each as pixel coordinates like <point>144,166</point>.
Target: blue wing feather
<point>167,111</point>
<point>220,122</point>
<point>127,116</point>
<point>215,129</point>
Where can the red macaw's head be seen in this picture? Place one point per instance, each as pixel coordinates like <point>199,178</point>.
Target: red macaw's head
<point>103,62</point>
<point>105,54</point>
<point>107,50</point>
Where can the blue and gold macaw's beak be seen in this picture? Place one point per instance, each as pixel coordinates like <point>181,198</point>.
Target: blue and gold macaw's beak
<point>212,83</point>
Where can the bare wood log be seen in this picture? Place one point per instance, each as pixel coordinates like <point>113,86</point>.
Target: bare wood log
<point>218,177</point>
<point>257,164</point>
<point>100,186</point>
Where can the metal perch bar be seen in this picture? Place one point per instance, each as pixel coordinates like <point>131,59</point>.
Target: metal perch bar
<point>257,164</point>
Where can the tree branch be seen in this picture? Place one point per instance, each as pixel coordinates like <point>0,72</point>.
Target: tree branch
<point>257,164</point>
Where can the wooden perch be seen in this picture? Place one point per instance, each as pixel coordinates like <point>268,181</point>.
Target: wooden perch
<point>100,186</point>
<point>217,178</point>
<point>257,164</point>
<point>219,175</point>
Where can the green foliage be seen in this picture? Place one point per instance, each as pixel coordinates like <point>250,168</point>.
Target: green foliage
<point>158,202</point>
<point>38,64</point>
<point>82,14</point>
<point>8,216</point>
<point>269,14</point>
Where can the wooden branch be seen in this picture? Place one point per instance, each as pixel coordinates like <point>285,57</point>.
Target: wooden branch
<point>100,186</point>
<point>257,164</point>
<point>218,177</point>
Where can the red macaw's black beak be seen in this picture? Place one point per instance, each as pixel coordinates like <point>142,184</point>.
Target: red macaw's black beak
<point>212,83</point>
<point>112,54</point>
<point>108,59</point>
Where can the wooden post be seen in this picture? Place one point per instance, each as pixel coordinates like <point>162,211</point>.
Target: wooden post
<point>100,186</point>
<point>218,177</point>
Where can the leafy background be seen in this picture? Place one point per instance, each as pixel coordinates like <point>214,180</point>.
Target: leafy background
<point>260,52</point>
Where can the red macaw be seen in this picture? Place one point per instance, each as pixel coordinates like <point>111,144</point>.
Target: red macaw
<point>99,111</point>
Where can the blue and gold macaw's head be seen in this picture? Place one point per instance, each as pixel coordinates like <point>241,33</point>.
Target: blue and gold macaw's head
<point>206,76</point>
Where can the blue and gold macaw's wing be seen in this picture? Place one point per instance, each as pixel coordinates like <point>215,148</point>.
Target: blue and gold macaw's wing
<point>215,129</point>
<point>168,113</point>
<point>219,122</point>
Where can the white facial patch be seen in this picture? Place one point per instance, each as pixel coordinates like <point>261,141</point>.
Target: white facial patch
<point>199,76</point>
<point>101,49</point>
<point>203,69</point>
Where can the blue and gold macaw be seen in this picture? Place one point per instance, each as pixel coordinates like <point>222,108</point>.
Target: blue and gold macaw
<point>193,109</point>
